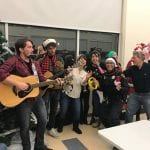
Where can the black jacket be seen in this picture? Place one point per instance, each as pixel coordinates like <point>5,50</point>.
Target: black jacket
<point>109,89</point>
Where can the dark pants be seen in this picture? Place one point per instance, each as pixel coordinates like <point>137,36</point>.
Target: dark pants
<point>51,99</point>
<point>23,112</point>
<point>96,103</point>
<point>110,113</point>
<point>84,99</point>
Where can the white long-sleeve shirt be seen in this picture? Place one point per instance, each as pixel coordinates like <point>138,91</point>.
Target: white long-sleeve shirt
<point>78,79</point>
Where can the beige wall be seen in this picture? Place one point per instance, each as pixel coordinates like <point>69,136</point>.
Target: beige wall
<point>135,27</point>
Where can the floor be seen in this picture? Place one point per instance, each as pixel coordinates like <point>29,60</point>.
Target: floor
<point>89,138</point>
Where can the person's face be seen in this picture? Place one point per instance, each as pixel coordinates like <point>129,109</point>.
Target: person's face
<point>51,51</point>
<point>82,62</point>
<point>27,50</point>
<point>95,59</point>
<point>136,60</point>
<point>110,65</point>
<point>115,56</point>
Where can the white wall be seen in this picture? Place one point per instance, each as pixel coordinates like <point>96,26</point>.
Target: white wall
<point>93,15</point>
<point>135,26</point>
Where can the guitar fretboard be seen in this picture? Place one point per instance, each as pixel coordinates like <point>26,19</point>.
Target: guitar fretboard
<point>45,83</point>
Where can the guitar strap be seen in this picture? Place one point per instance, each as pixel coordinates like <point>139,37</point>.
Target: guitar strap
<point>35,71</point>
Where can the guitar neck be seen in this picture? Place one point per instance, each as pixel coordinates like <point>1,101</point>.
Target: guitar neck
<point>42,84</point>
<point>59,74</point>
<point>51,82</point>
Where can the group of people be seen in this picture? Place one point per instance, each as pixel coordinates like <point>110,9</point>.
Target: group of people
<point>106,78</point>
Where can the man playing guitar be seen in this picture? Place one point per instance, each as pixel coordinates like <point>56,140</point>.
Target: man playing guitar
<point>21,65</point>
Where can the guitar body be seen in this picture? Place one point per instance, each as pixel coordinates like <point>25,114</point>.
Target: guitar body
<point>10,97</point>
<point>48,74</point>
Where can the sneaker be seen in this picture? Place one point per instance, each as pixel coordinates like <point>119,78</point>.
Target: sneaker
<point>96,124</point>
<point>101,126</point>
<point>92,121</point>
<point>53,133</point>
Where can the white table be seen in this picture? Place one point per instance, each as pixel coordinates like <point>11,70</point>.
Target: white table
<point>131,136</point>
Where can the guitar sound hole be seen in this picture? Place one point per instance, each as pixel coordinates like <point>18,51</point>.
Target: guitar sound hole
<point>24,93</point>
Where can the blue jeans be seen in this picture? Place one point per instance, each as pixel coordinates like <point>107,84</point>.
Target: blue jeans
<point>134,103</point>
<point>3,146</point>
<point>51,99</point>
<point>23,112</point>
<point>67,102</point>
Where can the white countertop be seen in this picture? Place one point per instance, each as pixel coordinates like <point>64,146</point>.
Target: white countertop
<point>131,136</point>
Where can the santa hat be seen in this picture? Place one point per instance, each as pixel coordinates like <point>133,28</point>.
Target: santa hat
<point>49,42</point>
<point>112,60</point>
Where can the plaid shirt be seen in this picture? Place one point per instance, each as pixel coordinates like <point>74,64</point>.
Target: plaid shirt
<point>50,64</point>
<point>15,65</point>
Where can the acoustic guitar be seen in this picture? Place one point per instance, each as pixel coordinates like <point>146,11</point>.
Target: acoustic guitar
<point>66,81</point>
<point>10,96</point>
<point>61,72</point>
